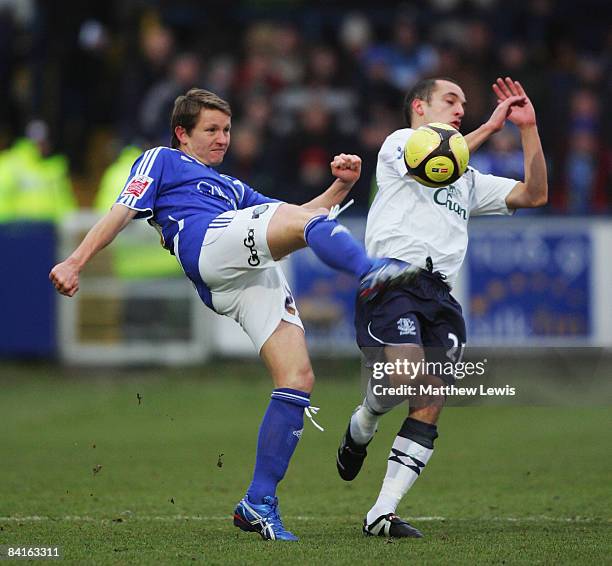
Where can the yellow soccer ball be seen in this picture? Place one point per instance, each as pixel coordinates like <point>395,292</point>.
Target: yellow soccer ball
<point>436,155</point>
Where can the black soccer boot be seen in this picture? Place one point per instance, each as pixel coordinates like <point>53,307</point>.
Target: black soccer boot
<point>390,526</point>
<point>350,456</point>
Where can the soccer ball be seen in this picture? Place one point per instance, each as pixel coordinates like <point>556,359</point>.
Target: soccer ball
<point>436,155</point>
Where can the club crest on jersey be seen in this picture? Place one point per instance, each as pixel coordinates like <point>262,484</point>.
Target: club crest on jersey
<point>259,210</point>
<point>452,191</point>
<point>137,186</point>
<point>406,327</point>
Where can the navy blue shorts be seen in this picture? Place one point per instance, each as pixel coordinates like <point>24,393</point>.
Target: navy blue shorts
<point>423,312</point>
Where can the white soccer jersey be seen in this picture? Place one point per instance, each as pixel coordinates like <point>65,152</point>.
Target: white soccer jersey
<point>410,222</point>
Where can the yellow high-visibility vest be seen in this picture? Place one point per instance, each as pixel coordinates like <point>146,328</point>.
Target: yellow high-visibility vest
<point>7,188</point>
<point>34,187</point>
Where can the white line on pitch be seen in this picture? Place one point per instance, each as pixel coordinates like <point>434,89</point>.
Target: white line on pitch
<point>171,518</point>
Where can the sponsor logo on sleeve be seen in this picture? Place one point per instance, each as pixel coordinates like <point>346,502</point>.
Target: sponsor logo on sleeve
<point>137,186</point>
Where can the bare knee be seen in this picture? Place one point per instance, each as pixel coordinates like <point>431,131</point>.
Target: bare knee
<point>286,358</point>
<point>295,217</point>
<point>286,229</point>
<point>302,379</point>
<point>407,358</point>
<point>312,212</point>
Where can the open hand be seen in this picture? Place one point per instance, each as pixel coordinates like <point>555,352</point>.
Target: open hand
<point>521,113</point>
<point>502,111</point>
<point>346,168</point>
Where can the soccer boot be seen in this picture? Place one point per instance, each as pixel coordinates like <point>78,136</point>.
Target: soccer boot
<point>390,526</point>
<point>263,519</point>
<point>385,273</point>
<point>350,456</point>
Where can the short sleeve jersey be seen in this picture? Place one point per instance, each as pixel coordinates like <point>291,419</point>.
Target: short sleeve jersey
<point>411,222</point>
<point>170,189</point>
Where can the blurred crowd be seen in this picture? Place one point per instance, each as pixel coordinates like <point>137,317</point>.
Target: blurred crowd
<point>305,80</point>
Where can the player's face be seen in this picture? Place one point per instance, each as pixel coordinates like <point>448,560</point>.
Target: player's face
<point>447,105</point>
<point>209,138</point>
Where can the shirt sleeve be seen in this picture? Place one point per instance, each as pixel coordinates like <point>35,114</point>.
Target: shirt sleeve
<point>142,187</point>
<point>392,152</point>
<point>488,193</point>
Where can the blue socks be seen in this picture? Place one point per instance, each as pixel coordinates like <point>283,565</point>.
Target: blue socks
<point>279,433</point>
<point>334,246</point>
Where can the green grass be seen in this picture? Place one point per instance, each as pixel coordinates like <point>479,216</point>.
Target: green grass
<point>506,484</point>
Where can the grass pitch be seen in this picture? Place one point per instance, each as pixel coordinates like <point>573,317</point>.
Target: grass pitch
<point>145,467</point>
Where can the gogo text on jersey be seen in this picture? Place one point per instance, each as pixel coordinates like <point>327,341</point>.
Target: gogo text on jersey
<point>249,243</point>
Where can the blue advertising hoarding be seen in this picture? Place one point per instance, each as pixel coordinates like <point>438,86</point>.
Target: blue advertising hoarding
<point>529,283</point>
<point>27,298</point>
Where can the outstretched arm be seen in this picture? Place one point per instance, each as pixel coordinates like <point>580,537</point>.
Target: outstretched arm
<point>65,275</point>
<point>347,169</point>
<point>533,191</point>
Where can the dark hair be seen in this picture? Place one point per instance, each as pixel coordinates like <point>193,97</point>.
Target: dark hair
<point>187,107</point>
<point>422,91</point>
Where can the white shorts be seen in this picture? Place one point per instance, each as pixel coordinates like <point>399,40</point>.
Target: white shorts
<point>246,283</point>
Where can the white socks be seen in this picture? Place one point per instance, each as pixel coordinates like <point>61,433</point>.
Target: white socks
<point>363,425</point>
<point>406,460</point>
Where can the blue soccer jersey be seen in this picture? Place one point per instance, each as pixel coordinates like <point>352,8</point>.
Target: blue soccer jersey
<point>174,191</point>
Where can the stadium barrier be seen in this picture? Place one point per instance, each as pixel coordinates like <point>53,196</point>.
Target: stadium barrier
<point>27,301</point>
<point>526,283</point>
<point>121,316</point>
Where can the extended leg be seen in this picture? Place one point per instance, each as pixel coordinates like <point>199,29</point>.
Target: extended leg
<point>286,357</point>
<point>293,227</point>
